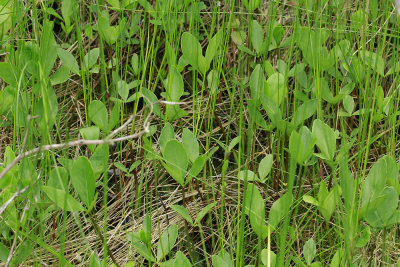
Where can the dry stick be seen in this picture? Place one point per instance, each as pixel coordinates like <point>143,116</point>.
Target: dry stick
<point>81,142</point>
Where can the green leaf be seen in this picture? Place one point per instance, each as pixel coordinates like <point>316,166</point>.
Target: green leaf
<point>381,215</point>
<point>123,90</point>
<point>91,58</point>
<point>4,252</point>
<point>183,212</point>
<point>48,48</point>
<point>143,250</point>
<point>167,241</point>
<point>181,260</point>
<point>212,48</point>
<point>90,133</point>
<point>99,159</point>
<point>196,168</point>
<point>68,60</point>
<point>348,104</point>
<point>62,199</point>
<point>97,112</point>
<point>82,178</point>
<point>374,183</point>
<point>255,208</point>
<point>257,36</point>
<point>135,63</point>
<point>309,251</point>
<point>58,179</point>
<point>327,205</point>
<point>265,166</point>
<point>257,78</point>
<point>191,145</point>
<point>60,76</point>
<point>8,74</point>
<point>347,183</point>
<point>46,108</point>
<point>374,61</point>
<point>275,87</point>
<point>222,260</point>
<point>336,261</point>
<point>310,200</point>
<point>192,51</point>
<point>364,237</point>
<point>176,160</point>
<point>304,111</point>
<point>167,134</point>
<point>247,175</point>
<point>279,209</point>
<point>147,227</point>
<point>251,5</point>
<point>301,145</point>
<point>325,139</point>
<point>268,257</point>
<point>203,213</point>
<point>107,32</point>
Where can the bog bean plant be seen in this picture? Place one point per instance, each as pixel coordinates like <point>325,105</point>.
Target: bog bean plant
<point>199,133</point>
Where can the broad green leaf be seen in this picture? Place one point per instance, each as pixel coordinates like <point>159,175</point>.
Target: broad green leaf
<point>275,87</point>
<point>325,139</point>
<point>99,159</point>
<point>167,241</point>
<point>97,112</point>
<point>374,183</point>
<point>309,251</point>
<point>5,19</point>
<point>255,208</point>
<point>94,260</point>
<point>8,74</point>
<point>60,76</point>
<point>223,259</point>
<point>58,179</point>
<point>68,60</point>
<point>301,145</point>
<point>143,250</point>
<point>203,212</point>
<point>91,58</point>
<point>67,11</point>
<point>135,63</point>
<point>310,200</point>
<point>191,50</point>
<point>174,88</point>
<point>380,216</point>
<point>268,257</point>
<point>46,108</point>
<point>327,206</point>
<point>48,48</point>
<point>348,104</point>
<point>247,175</point>
<point>189,141</point>
<point>347,183</point>
<point>123,90</point>
<point>176,160</point>
<point>196,168</point>
<point>107,32</point>
<point>4,252</point>
<point>257,36</point>
<point>181,260</point>
<point>336,261</point>
<point>257,78</point>
<point>304,111</point>
<point>167,134</point>
<point>251,5</point>
<point>274,113</point>
<point>212,48</point>
<point>82,178</point>
<point>114,116</point>
<point>374,61</point>
<point>279,209</point>
<point>183,212</point>
<point>364,237</point>
<point>265,167</point>
<point>62,199</point>
<point>90,133</point>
